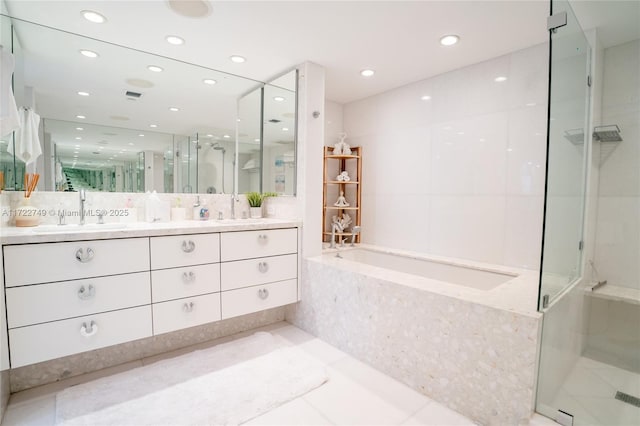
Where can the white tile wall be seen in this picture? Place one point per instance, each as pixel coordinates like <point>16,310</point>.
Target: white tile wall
<point>618,221</point>
<point>461,174</point>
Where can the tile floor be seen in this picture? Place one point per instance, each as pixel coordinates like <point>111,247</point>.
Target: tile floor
<point>589,391</point>
<point>355,394</point>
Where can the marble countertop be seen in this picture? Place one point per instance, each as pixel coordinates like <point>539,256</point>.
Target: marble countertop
<point>518,295</point>
<point>56,233</point>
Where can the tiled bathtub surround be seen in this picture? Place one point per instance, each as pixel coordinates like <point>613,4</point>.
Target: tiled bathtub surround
<point>477,359</point>
<point>460,174</point>
<point>51,371</point>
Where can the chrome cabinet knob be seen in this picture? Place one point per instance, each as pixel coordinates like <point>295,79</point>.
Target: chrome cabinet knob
<point>188,307</point>
<point>188,277</point>
<point>89,331</point>
<point>263,293</point>
<point>188,246</point>
<point>85,293</point>
<point>84,256</point>
<point>263,238</point>
<point>263,267</point>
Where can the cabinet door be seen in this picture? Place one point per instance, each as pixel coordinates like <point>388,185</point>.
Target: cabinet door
<point>250,244</point>
<point>56,339</point>
<point>40,263</point>
<point>184,250</point>
<point>183,313</point>
<point>176,283</point>
<point>40,303</point>
<point>262,270</point>
<point>258,298</point>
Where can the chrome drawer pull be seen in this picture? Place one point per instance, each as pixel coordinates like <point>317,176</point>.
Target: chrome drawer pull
<point>84,257</point>
<point>263,293</point>
<point>85,293</point>
<point>263,238</point>
<point>188,277</point>
<point>263,267</point>
<point>93,329</point>
<point>188,307</point>
<point>188,246</point>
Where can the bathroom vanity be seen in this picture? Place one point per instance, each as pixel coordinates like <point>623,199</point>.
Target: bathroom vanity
<point>72,292</point>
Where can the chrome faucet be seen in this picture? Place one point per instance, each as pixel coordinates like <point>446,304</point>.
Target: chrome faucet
<point>83,199</point>
<point>234,199</point>
<point>335,226</point>
<point>354,230</point>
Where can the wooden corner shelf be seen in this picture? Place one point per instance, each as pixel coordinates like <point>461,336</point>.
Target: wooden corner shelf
<point>334,165</point>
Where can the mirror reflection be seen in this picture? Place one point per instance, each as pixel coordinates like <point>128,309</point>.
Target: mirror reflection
<point>118,119</point>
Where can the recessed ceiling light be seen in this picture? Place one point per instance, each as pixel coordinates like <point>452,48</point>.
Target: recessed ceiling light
<point>174,109</point>
<point>226,136</point>
<point>101,147</point>
<point>449,40</point>
<point>209,81</point>
<point>509,149</point>
<point>367,73</point>
<point>131,143</point>
<point>79,128</point>
<point>175,40</point>
<point>153,126</point>
<point>237,59</point>
<point>191,8</point>
<point>82,117</point>
<point>83,93</point>
<point>209,136</point>
<point>278,98</point>
<point>256,140</point>
<point>425,97</point>
<point>89,53</point>
<point>94,17</point>
<point>141,135</point>
<point>530,104</point>
<point>285,129</point>
<point>500,79</point>
<point>78,138</point>
<point>155,68</point>
<point>77,146</point>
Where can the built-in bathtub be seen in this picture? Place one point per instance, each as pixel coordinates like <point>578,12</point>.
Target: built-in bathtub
<point>468,276</point>
<point>463,333</point>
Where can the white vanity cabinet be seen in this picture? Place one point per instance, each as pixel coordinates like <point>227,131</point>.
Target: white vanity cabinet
<point>185,281</point>
<point>70,297</point>
<point>64,298</point>
<point>259,270</point>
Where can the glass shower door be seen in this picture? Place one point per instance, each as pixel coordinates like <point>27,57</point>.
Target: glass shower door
<point>566,152</point>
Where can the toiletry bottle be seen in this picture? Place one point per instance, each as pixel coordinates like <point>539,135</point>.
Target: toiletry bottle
<point>204,211</point>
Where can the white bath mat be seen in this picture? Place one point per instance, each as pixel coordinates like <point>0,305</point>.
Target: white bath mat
<point>223,385</point>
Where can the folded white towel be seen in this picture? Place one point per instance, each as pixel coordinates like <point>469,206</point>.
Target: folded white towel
<point>9,120</point>
<point>27,140</point>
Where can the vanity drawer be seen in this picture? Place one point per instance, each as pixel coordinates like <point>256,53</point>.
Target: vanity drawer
<point>39,263</point>
<point>244,273</point>
<point>184,313</point>
<point>51,340</point>
<point>254,299</point>
<point>248,244</point>
<point>67,299</point>
<point>190,281</point>
<point>184,250</point>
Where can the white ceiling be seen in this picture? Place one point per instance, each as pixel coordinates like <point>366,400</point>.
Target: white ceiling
<point>400,40</point>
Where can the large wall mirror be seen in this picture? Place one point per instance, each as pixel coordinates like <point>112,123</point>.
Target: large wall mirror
<point>123,120</point>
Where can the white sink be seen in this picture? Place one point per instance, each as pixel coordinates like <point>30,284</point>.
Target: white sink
<point>239,221</point>
<point>58,229</point>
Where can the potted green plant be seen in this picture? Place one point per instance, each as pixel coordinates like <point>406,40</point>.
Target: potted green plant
<point>255,204</point>
<point>255,200</point>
